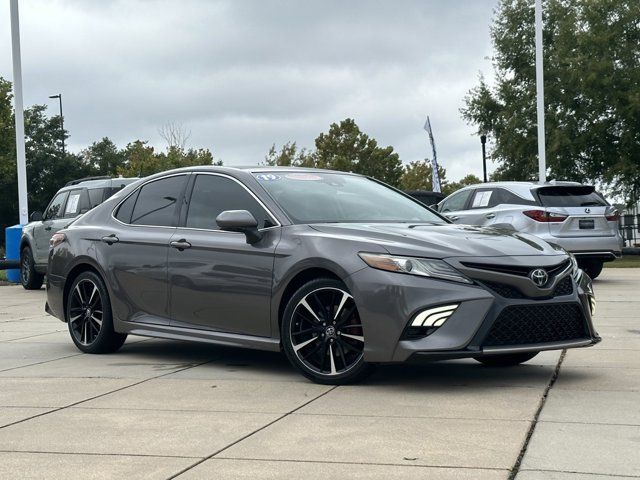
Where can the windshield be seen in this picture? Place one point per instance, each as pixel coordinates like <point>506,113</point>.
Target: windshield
<point>579,196</point>
<point>319,197</point>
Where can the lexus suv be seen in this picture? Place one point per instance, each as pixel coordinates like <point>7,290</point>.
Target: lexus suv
<point>568,214</point>
<point>74,199</point>
<point>337,270</point>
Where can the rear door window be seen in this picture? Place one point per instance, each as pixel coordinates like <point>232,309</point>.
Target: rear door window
<point>157,202</point>
<point>484,198</point>
<point>73,206</point>
<point>579,196</point>
<point>505,197</point>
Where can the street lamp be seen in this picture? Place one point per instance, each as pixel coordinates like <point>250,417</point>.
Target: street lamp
<point>59,97</point>
<point>483,141</point>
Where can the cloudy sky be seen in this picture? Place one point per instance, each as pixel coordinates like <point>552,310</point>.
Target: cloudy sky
<point>242,75</point>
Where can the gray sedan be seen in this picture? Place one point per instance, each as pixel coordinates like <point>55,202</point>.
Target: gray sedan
<point>337,270</point>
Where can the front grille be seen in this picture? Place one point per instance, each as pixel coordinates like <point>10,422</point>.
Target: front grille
<point>504,290</point>
<point>516,269</point>
<point>526,324</point>
<point>564,287</point>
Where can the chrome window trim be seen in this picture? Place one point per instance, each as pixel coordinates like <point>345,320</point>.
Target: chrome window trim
<point>134,191</point>
<point>260,202</point>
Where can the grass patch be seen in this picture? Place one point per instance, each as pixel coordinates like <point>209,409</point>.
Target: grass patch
<point>3,276</point>
<point>628,261</point>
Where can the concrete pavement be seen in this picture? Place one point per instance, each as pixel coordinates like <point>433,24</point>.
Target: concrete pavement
<point>160,409</point>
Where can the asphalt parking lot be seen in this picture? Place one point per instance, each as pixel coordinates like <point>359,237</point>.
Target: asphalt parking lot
<point>160,409</point>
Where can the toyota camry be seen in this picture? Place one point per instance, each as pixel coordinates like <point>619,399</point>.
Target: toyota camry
<point>337,270</point>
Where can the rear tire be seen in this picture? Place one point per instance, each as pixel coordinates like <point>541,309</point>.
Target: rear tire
<point>29,278</point>
<point>89,317</point>
<point>322,334</point>
<point>591,267</point>
<point>506,360</point>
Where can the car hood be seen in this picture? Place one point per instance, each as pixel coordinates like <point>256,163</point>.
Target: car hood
<point>441,240</point>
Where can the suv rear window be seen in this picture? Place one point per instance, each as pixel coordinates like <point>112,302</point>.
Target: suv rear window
<point>581,196</point>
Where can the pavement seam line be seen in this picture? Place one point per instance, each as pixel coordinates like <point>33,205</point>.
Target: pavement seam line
<point>606,475</point>
<point>219,451</point>
<point>95,454</point>
<point>516,466</point>
<point>107,393</point>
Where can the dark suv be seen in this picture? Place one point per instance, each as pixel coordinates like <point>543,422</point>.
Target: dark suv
<point>74,199</point>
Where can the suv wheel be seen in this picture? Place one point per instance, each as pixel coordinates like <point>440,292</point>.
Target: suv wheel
<point>88,315</point>
<point>322,333</point>
<point>30,279</point>
<point>591,267</point>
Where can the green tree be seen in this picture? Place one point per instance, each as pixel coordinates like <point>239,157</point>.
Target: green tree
<point>141,160</point>
<point>104,157</point>
<point>288,156</point>
<point>470,179</point>
<point>592,92</point>
<point>417,176</point>
<point>345,147</point>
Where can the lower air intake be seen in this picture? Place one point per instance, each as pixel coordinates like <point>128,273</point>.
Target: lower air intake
<point>526,324</point>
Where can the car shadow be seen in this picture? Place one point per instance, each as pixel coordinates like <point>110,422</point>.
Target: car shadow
<point>256,365</point>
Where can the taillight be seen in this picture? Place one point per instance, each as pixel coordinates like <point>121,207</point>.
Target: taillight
<point>542,216</point>
<point>613,216</point>
<point>57,239</point>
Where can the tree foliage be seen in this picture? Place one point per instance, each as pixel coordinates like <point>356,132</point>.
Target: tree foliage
<point>345,148</point>
<point>417,175</point>
<point>592,92</point>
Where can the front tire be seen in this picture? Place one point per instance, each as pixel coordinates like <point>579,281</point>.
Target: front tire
<point>506,360</point>
<point>29,277</point>
<point>89,317</point>
<point>591,267</point>
<point>322,334</point>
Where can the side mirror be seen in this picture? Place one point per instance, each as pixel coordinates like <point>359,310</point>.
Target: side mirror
<point>36,216</point>
<point>240,221</point>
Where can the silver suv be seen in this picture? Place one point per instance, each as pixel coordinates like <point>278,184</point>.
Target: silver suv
<point>74,199</point>
<point>569,214</point>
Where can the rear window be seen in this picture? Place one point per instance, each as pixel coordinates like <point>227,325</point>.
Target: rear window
<point>583,196</point>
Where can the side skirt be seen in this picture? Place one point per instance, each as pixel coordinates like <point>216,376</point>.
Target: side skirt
<point>196,335</point>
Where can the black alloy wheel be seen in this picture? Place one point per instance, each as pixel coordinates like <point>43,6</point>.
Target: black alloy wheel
<point>88,314</point>
<point>323,335</point>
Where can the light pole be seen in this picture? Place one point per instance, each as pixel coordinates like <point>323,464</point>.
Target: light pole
<point>483,141</point>
<point>59,97</point>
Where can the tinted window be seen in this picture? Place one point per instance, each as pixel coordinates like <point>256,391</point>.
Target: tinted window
<point>213,195</point>
<point>55,207</point>
<point>581,196</point>
<point>126,208</point>
<point>485,198</point>
<point>157,202</point>
<point>95,196</point>
<point>319,197</point>
<point>505,197</point>
<point>456,202</point>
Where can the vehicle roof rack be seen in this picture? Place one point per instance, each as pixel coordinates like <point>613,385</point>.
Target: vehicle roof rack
<point>86,179</point>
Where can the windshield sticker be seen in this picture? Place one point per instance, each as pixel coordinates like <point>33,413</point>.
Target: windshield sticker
<point>481,199</point>
<point>303,176</point>
<point>268,177</point>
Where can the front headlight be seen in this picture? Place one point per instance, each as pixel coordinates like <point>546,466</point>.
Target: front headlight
<point>424,267</point>
<point>574,264</point>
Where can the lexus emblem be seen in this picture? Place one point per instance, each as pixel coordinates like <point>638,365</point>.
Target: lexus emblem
<point>587,210</point>
<point>539,276</point>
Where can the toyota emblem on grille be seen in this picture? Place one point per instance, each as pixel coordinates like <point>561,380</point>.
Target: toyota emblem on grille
<point>587,210</point>
<point>539,276</point>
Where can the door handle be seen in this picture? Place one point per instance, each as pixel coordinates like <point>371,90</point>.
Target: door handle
<point>47,228</point>
<point>490,215</point>
<point>180,244</point>
<point>110,239</point>
<point>453,218</point>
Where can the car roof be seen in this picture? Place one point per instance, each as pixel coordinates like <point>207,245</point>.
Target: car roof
<point>99,183</point>
<point>523,189</point>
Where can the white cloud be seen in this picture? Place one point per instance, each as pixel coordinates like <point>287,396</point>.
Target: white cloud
<point>243,74</point>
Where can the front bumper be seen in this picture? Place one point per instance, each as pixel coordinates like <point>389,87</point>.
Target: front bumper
<point>387,302</point>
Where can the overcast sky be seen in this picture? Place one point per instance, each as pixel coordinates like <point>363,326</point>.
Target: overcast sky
<point>242,75</point>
